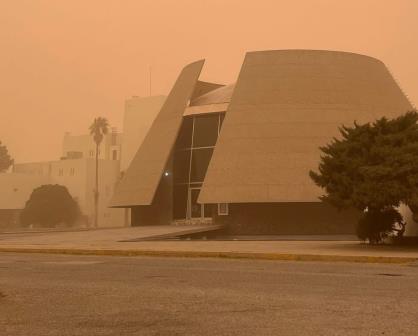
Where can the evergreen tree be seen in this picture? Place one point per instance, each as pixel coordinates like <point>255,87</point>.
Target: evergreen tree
<point>373,167</point>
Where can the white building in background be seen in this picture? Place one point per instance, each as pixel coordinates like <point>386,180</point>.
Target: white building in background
<point>138,118</point>
<point>76,171</point>
<point>82,146</point>
<point>78,175</point>
<point>76,168</point>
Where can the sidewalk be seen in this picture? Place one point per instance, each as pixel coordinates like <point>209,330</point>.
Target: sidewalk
<point>113,242</point>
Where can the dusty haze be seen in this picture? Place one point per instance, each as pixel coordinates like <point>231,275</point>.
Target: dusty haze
<point>65,62</point>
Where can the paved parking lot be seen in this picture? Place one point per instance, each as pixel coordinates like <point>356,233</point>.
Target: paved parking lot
<point>43,295</point>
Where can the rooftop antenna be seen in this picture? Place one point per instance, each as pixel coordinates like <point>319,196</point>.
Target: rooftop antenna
<point>150,80</point>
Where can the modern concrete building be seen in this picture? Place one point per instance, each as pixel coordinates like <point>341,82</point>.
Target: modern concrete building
<point>240,154</point>
<point>140,113</point>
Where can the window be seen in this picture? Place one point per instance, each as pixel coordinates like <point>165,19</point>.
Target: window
<point>205,131</point>
<point>223,209</point>
<point>60,172</point>
<point>181,166</point>
<point>114,154</point>
<point>184,139</point>
<point>200,162</point>
<point>91,153</point>
<point>72,171</point>
<point>193,151</point>
<point>180,201</point>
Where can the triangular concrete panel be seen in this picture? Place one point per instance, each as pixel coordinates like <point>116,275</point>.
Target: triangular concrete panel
<point>142,178</point>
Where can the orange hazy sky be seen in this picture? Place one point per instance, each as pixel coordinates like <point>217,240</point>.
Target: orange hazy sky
<point>63,62</point>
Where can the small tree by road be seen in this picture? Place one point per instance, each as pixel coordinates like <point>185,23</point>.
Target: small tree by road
<point>98,129</point>
<point>5,160</point>
<point>374,168</point>
<point>50,205</point>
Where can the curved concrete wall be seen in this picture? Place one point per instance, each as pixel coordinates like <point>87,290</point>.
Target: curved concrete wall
<point>286,105</point>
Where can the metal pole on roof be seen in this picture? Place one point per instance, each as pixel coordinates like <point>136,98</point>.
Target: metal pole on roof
<point>150,81</point>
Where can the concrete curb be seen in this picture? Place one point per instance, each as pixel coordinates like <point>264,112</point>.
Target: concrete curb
<point>225,255</point>
<point>63,230</point>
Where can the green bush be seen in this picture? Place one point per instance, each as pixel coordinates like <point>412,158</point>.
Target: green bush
<point>372,166</point>
<point>50,205</point>
<point>375,226</point>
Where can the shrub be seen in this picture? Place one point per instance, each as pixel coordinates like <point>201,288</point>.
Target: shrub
<point>50,205</point>
<point>378,225</point>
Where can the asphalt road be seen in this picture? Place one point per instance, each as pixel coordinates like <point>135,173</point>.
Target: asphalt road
<point>76,295</point>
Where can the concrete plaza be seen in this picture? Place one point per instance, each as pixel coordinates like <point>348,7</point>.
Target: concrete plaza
<point>126,241</point>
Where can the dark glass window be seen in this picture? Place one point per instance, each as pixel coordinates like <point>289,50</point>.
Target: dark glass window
<point>221,120</point>
<point>180,201</point>
<point>184,139</point>
<point>196,208</point>
<point>181,166</point>
<point>200,162</point>
<point>208,210</point>
<point>205,130</point>
<point>190,165</point>
<point>196,185</point>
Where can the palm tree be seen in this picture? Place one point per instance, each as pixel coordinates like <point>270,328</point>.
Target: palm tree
<point>98,129</point>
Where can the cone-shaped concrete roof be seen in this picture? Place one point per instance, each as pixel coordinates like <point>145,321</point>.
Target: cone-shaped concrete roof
<point>286,104</point>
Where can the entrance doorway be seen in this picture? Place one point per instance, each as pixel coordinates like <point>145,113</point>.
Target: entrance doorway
<point>196,210</point>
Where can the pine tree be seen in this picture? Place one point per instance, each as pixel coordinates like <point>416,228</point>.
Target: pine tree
<point>374,168</point>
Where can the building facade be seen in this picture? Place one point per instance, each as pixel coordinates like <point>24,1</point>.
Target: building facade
<point>78,175</point>
<point>76,171</point>
<point>82,146</point>
<point>240,154</point>
<point>140,113</point>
